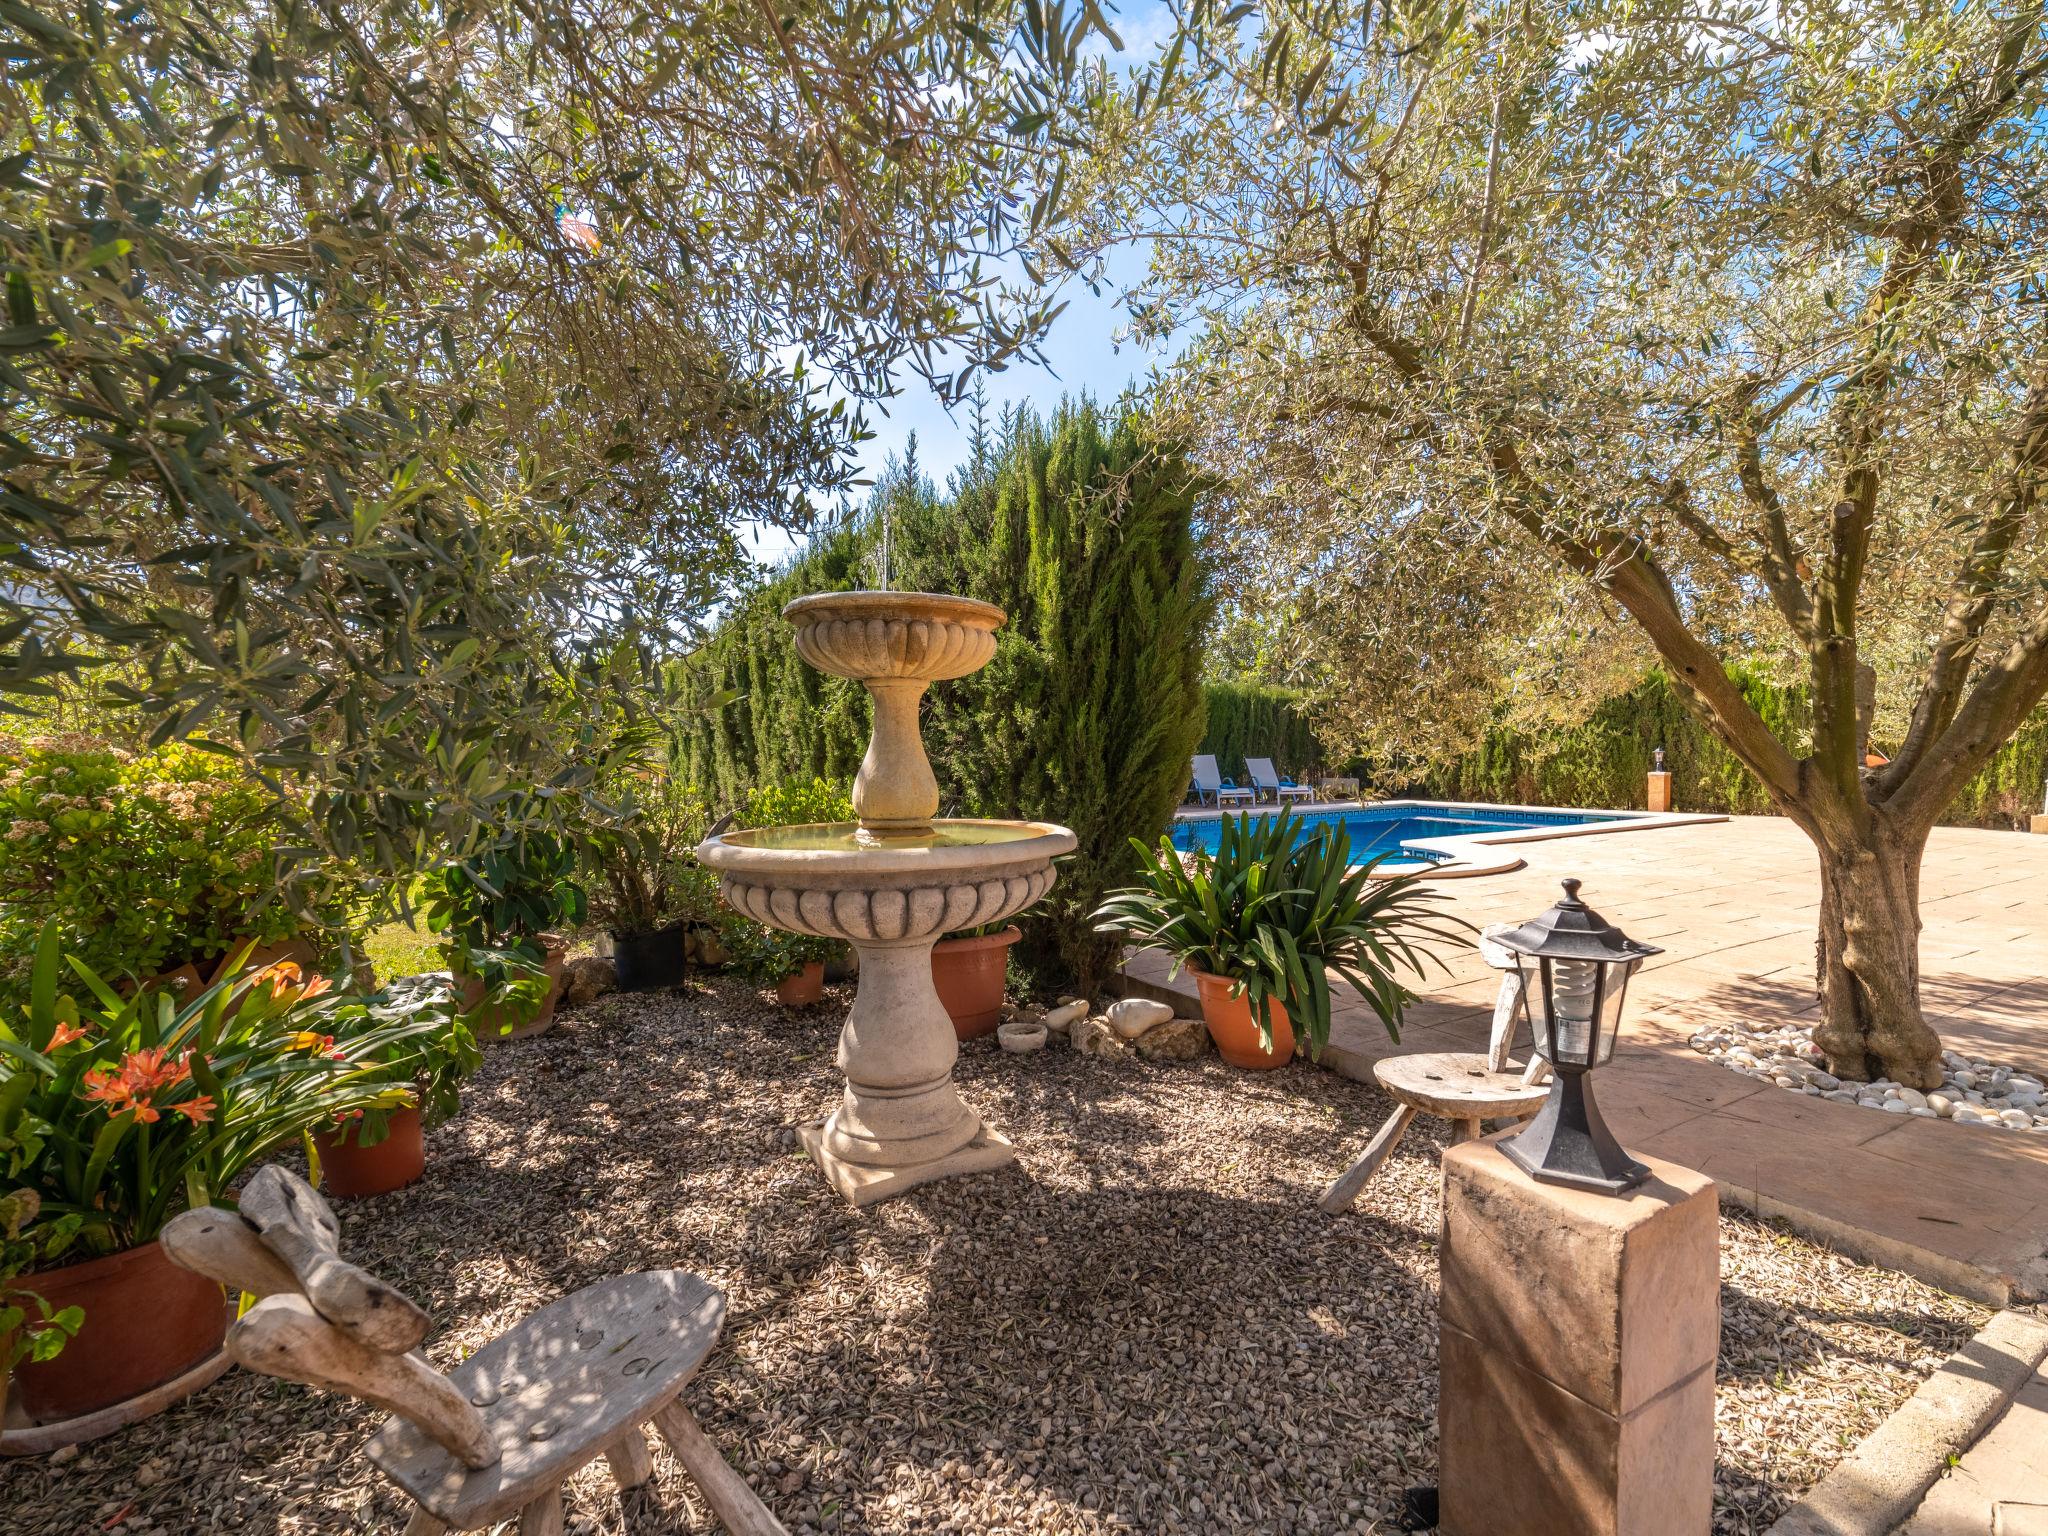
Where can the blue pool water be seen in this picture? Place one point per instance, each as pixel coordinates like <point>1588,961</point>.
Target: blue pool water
<point>1384,829</point>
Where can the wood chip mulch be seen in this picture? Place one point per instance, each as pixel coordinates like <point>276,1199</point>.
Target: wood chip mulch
<point>1149,1328</point>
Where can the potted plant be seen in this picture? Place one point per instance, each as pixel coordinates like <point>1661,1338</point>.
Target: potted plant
<point>499,913</point>
<point>1267,918</point>
<point>792,963</point>
<point>30,1328</point>
<point>378,1147</point>
<point>969,969</point>
<point>803,802</point>
<point>151,864</point>
<point>646,885</point>
<point>120,1112</point>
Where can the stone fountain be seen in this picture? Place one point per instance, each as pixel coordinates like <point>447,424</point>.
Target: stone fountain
<point>892,884</point>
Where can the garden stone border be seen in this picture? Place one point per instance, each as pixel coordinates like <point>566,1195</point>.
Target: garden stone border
<point>1877,1486</point>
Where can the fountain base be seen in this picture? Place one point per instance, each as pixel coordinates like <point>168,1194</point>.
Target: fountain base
<point>864,1184</point>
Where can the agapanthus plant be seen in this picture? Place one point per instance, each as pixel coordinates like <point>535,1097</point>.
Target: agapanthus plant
<point>119,1112</point>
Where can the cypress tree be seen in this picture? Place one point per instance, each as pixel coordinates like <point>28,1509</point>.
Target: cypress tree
<point>1081,529</point>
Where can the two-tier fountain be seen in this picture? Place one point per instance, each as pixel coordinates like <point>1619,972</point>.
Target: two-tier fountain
<point>892,884</point>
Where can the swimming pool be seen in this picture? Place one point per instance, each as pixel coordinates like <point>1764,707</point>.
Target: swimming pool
<point>1391,826</point>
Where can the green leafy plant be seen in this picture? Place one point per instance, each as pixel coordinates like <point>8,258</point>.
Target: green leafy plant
<point>120,1112</point>
<point>30,1329</point>
<point>493,909</point>
<point>642,865</point>
<point>144,861</point>
<point>795,803</point>
<point>431,1065</point>
<point>1277,906</point>
<point>765,956</point>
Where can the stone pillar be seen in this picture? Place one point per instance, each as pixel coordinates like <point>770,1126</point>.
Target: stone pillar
<point>1660,791</point>
<point>1577,1344</point>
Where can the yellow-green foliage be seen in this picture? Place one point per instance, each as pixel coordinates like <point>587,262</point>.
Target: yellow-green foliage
<point>144,861</point>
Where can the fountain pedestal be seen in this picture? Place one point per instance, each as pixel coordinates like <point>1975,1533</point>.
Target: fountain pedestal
<point>892,885</point>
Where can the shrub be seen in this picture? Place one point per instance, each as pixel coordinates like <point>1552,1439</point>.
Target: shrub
<point>764,955</point>
<point>143,861</point>
<point>796,803</point>
<point>642,868</point>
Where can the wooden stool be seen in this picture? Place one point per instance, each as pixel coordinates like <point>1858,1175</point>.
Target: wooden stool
<point>1463,1088</point>
<point>499,1434</point>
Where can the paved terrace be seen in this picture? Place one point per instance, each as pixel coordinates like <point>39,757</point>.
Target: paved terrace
<point>1733,904</point>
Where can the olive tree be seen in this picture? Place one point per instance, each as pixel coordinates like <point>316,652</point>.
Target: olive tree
<point>374,376</point>
<point>1732,314</point>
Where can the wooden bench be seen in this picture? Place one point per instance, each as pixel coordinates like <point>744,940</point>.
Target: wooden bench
<point>1464,1088</point>
<point>497,1436</point>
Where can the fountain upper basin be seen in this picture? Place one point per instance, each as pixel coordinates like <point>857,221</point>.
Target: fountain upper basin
<point>824,879</point>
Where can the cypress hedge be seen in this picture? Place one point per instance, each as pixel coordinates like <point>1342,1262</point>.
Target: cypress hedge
<point>1249,719</point>
<point>1081,529</point>
<point>1601,761</point>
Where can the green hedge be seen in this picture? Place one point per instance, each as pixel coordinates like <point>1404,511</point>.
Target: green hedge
<point>1247,719</point>
<point>1602,761</point>
<point>1082,532</point>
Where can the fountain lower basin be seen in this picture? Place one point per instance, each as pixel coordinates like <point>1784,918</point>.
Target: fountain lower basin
<point>900,1121</point>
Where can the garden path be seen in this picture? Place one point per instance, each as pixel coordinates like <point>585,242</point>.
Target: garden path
<point>1733,904</point>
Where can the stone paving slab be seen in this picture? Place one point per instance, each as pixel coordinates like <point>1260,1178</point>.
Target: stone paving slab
<point>1733,904</point>
<point>2000,1487</point>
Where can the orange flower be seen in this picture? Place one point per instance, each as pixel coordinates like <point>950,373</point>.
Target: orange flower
<point>146,1071</point>
<point>141,1074</point>
<point>284,974</point>
<point>306,1040</point>
<point>66,1033</point>
<point>103,1086</point>
<point>198,1110</point>
<point>315,987</point>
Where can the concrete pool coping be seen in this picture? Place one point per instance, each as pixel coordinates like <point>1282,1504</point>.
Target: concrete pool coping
<point>1474,853</point>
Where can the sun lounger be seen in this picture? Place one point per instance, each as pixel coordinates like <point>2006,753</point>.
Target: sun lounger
<point>1266,781</point>
<point>1209,787</point>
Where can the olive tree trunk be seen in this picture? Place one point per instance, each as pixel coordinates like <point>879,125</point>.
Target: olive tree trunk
<point>1868,958</point>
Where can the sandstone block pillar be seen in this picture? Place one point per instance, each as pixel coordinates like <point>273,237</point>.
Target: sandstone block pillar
<point>1660,791</point>
<point>1577,1342</point>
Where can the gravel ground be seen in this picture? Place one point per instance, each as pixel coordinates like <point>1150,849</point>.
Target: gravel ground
<point>1149,1328</point>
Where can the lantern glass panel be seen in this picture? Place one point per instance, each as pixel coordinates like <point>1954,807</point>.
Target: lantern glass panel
<point>1576,988</point>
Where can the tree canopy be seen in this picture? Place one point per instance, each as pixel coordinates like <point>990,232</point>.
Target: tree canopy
<point>370,369</point>
<point>1516,325</point>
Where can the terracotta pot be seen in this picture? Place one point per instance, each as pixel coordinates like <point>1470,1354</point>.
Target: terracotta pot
<point>805,987</point>
<point>969,975</point>
<point>146,1321</point>
<point>1235,1029</point>
<point>469,991</point>
<point>350,1171</point>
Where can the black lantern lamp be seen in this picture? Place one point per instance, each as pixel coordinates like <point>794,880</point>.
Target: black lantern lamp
<point>1575,968</point>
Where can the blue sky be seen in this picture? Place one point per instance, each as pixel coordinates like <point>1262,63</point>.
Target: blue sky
<point>1082,353</point>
